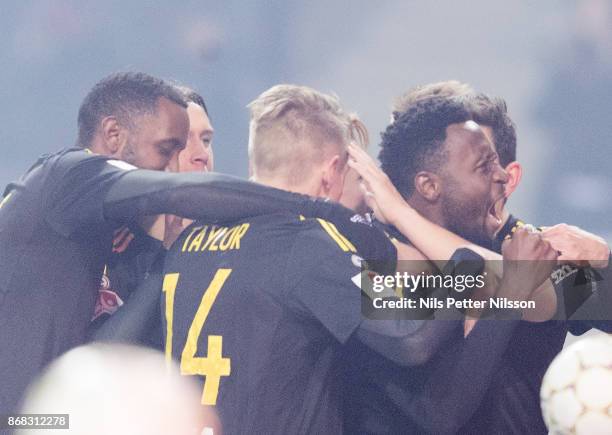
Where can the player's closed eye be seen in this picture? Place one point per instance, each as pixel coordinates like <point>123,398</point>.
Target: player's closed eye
<point>166,151</point>
<point>491,164</point>
<point>485,167</point>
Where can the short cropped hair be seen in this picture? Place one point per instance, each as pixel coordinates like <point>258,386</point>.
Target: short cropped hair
<point>444,89</point>
<point>191,96</point>
<point>293,126</point>
<point>493,112</point>
<point>124,95</point>
<point>414,142</point>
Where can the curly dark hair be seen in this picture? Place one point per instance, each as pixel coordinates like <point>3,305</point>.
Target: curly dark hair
<point>414,141</point>
<point>444,89</point>
<point>493,112</point>
<point>124,95</point>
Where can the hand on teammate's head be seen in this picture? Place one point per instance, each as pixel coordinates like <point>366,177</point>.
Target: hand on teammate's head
<point>380,193</point>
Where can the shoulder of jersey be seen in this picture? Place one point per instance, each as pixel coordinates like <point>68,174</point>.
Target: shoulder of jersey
<point>77,155</point>
<point>326,233</point>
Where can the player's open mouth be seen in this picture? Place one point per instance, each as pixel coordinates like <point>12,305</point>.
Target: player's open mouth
<point>494,216</point>
<point>495,210</point>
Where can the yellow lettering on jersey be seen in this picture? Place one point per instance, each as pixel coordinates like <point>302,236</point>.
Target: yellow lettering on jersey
<point>212,238</point>
<point>193,230</point>
<point>227,238</point>
<point>6,198</point>
<point>215,238</point>
<point>238,235</point>
<point>198,239</point>
<point>169,287</point>
<point>213,365</point>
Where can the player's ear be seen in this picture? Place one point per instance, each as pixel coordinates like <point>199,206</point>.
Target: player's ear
<point>333,177</point>
<point>428,185</point>
<point>113,134</point>
<point>515,173</point>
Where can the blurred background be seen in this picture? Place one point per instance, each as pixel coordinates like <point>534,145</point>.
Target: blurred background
<point>551,61</point>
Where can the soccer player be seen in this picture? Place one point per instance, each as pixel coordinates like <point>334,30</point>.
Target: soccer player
<point>513,402</point>
<point>260,308</point>
<point>446,169</point>
<point>57,222</point>
<point>198,154</point>
<point>513,399</point>
<point>136,249</point>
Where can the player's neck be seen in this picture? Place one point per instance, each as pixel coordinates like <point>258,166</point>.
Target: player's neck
<point>309,189</point>
<point>432,212</point>
<point>98,146</point>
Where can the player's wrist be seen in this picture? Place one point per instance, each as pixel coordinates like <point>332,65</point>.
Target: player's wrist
<point>403,214</point>
<point>511,289</point>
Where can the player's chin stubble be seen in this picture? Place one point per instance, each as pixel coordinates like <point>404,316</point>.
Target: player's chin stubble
<point>465,220</point>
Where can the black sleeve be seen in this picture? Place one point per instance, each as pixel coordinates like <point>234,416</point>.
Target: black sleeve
<point>216,197</point>
<point>457,380</point>
<point>597,310</point>
<point>139,319</point>
<point>407,342</point>
<point>76,190</point>
<point>87,191</point>
<point>324,287</point>
<point>414,342</point>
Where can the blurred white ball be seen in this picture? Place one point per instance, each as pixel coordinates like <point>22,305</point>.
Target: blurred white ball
<point>576,394</point>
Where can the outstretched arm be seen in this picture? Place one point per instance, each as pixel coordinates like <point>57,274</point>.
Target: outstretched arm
<point>216,197</point>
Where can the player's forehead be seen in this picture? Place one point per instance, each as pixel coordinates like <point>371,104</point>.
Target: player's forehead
<point>171,113</point>
<point>198,119</point>
<point>169,122</point>
<point>467,140</point>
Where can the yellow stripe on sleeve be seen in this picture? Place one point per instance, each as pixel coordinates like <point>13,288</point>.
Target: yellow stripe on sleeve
<point>344,239</point>
<point>333,235</point>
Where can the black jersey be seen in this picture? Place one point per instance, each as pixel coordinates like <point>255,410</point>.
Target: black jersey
<point>54,242</point>
<point>56,228</point>
<point>123,274</point>
<point>512,404</point>
<point>436,396</point>
<point>258,310</point>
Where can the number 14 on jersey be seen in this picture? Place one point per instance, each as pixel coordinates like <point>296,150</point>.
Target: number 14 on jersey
<point>213,366</point>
